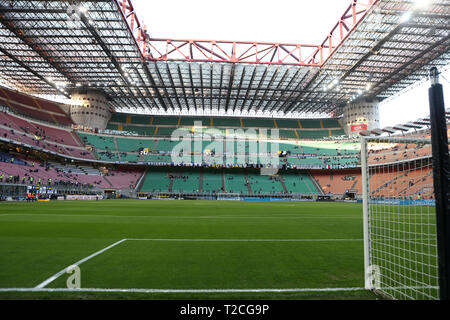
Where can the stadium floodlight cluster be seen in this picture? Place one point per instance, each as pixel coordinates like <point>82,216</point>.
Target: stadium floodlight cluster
<point>401,257</point>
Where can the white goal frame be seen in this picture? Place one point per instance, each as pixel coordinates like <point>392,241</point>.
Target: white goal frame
<point>400,250</point>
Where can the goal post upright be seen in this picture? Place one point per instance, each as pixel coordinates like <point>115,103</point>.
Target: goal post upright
<point>406,208</point>
<point>365,190</point>
<point>441,177</point>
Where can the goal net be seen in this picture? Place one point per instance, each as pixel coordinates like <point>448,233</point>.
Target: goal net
<point>400,242</point>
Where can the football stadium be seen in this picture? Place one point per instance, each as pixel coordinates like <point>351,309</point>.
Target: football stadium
<point>134,167</point>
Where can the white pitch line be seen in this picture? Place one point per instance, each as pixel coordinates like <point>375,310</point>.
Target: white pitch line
<point>57,275</point>
<point>269,290</point>
<point>178,217</point>
<point>247,240</point>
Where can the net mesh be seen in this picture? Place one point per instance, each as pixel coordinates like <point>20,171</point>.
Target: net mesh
<point>402,222</point>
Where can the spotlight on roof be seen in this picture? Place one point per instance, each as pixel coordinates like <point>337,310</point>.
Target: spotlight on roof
<point>82,9</point>
<point>405,17</point>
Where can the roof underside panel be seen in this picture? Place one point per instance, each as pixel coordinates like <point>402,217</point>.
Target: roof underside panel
<point>393,47</point>
<point>53,47</point>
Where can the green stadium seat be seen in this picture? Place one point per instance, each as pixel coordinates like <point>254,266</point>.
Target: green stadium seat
<point>330,123</point>
<point>227,122</point>
<point>140,119</point>
<point>235,183</point>
<point>156,181</point>
<point>310,123</point>
<point>288,134</point>
<point>212,182</point>
<point>165,131</point>
<point>130,157</point>
<point>337,133</point>
<point>287,124</point>
<point>299,183</point>
<point>258,123</point>
<point>190,121</point>
<point>118,117</point>
<point>313,134</point>
<point>187,182</point>
<point>133,145</point>
<point>168,121</point>
<point>265,184</point>
<point>97,141</point>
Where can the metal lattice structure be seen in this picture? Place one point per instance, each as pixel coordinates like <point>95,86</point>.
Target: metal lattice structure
<point>377,48</point>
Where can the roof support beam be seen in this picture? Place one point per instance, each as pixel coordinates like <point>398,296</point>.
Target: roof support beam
<point>36,48</point>
<point>239,88</point>
<point>173,86</point>
<point>158,72</point>
<point>23,65</point>
<point>230,86</point>
<point>192,87</point>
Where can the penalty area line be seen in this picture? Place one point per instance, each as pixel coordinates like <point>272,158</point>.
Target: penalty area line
<point>268,290</point>
<point>60,273</point>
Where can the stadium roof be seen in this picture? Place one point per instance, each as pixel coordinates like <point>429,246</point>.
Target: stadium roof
<point>375,50</point>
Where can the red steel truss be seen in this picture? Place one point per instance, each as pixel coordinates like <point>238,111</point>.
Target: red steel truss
<point>354,13</point>
<point>138,30</point>
<point>233,52</point>
<point>244,51</point>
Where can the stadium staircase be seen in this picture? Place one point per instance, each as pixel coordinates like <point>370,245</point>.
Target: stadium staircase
<point>200,187</point>
<point>171,184</point>
<point>117,148</point>
<point>155,147</point>
<point>281,179</point>
<point>316,183</point>
<point>109,182</point>
<point>248,184</point>
<point>354,184</point>
<point>223,182</point>
<point>141,180</point>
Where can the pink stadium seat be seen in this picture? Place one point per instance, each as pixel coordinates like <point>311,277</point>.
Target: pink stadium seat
<point>37,108</point>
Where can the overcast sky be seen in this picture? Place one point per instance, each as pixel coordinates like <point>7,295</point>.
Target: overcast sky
<point>292,21</point>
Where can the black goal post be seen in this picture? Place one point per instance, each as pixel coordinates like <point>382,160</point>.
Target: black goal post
<point>441,177</point>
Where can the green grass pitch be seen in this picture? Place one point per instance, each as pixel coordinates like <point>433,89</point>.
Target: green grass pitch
<point>184,245</point>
